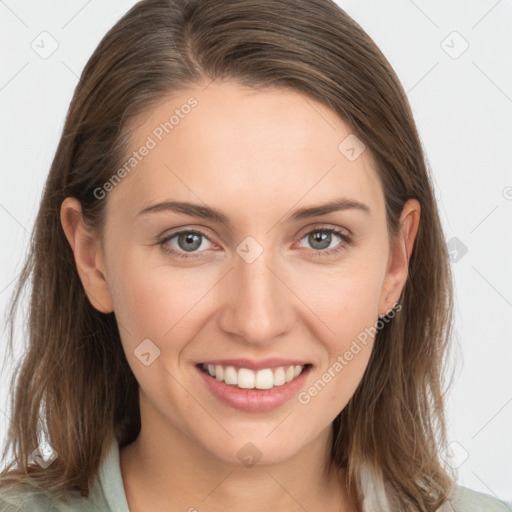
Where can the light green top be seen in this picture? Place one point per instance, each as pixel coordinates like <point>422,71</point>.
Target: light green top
<point>107,495</point>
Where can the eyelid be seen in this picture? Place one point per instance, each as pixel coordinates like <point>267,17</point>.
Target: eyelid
<point>320,226</point>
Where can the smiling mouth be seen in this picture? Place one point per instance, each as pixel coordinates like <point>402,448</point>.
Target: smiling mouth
<point>245,378</point>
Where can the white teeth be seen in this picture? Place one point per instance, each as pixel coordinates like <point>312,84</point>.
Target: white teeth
<point>279,376</point>
<point>264,379</point>
<point>230,376</point>
<point>248,379</point>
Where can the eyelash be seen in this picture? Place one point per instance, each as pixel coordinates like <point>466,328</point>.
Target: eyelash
<point>346,241</point>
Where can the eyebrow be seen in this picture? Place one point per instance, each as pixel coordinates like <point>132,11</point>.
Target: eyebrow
<point>206,212</point>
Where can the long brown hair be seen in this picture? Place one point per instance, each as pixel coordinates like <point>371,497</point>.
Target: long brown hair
<point>74,380</point>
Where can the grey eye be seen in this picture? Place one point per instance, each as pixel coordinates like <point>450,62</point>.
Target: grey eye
<point>189,241</point>
<point>320,239</point>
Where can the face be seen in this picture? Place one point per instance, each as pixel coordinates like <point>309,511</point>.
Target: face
<point>272,282</point>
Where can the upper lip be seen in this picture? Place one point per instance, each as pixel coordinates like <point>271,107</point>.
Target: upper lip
<point>252,364</point>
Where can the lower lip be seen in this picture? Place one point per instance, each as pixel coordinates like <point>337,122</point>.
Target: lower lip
<point>254,400</point>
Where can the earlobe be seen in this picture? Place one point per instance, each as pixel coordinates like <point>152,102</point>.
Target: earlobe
<point>88,255</point>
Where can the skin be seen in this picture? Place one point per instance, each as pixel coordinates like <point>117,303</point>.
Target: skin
<point>256,156</point>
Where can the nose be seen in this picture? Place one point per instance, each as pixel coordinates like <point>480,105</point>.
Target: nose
<point>257,304</point>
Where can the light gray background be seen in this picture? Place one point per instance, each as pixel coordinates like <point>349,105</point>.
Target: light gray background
<point>463,108</point>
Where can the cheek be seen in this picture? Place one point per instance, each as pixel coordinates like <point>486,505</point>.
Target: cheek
<point>345,302</point>
<point>344,299</point>
<point>349,310</point>
<point>151,298</point>
<point>139,304</point>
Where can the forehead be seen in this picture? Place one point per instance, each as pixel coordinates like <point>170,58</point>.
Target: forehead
<point>258,150</point>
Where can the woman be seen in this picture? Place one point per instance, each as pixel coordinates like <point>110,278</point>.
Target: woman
<point>291,358</point>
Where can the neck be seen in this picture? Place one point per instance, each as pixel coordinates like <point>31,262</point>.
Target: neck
<point>163,466</point>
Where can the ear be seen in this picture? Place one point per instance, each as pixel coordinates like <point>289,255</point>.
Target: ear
<point>399,257</point>
<point>88,255</point>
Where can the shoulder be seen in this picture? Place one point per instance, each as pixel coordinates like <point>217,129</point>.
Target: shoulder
<point>106,493</point>
<point>25,498</point>
<point>468,500</point>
